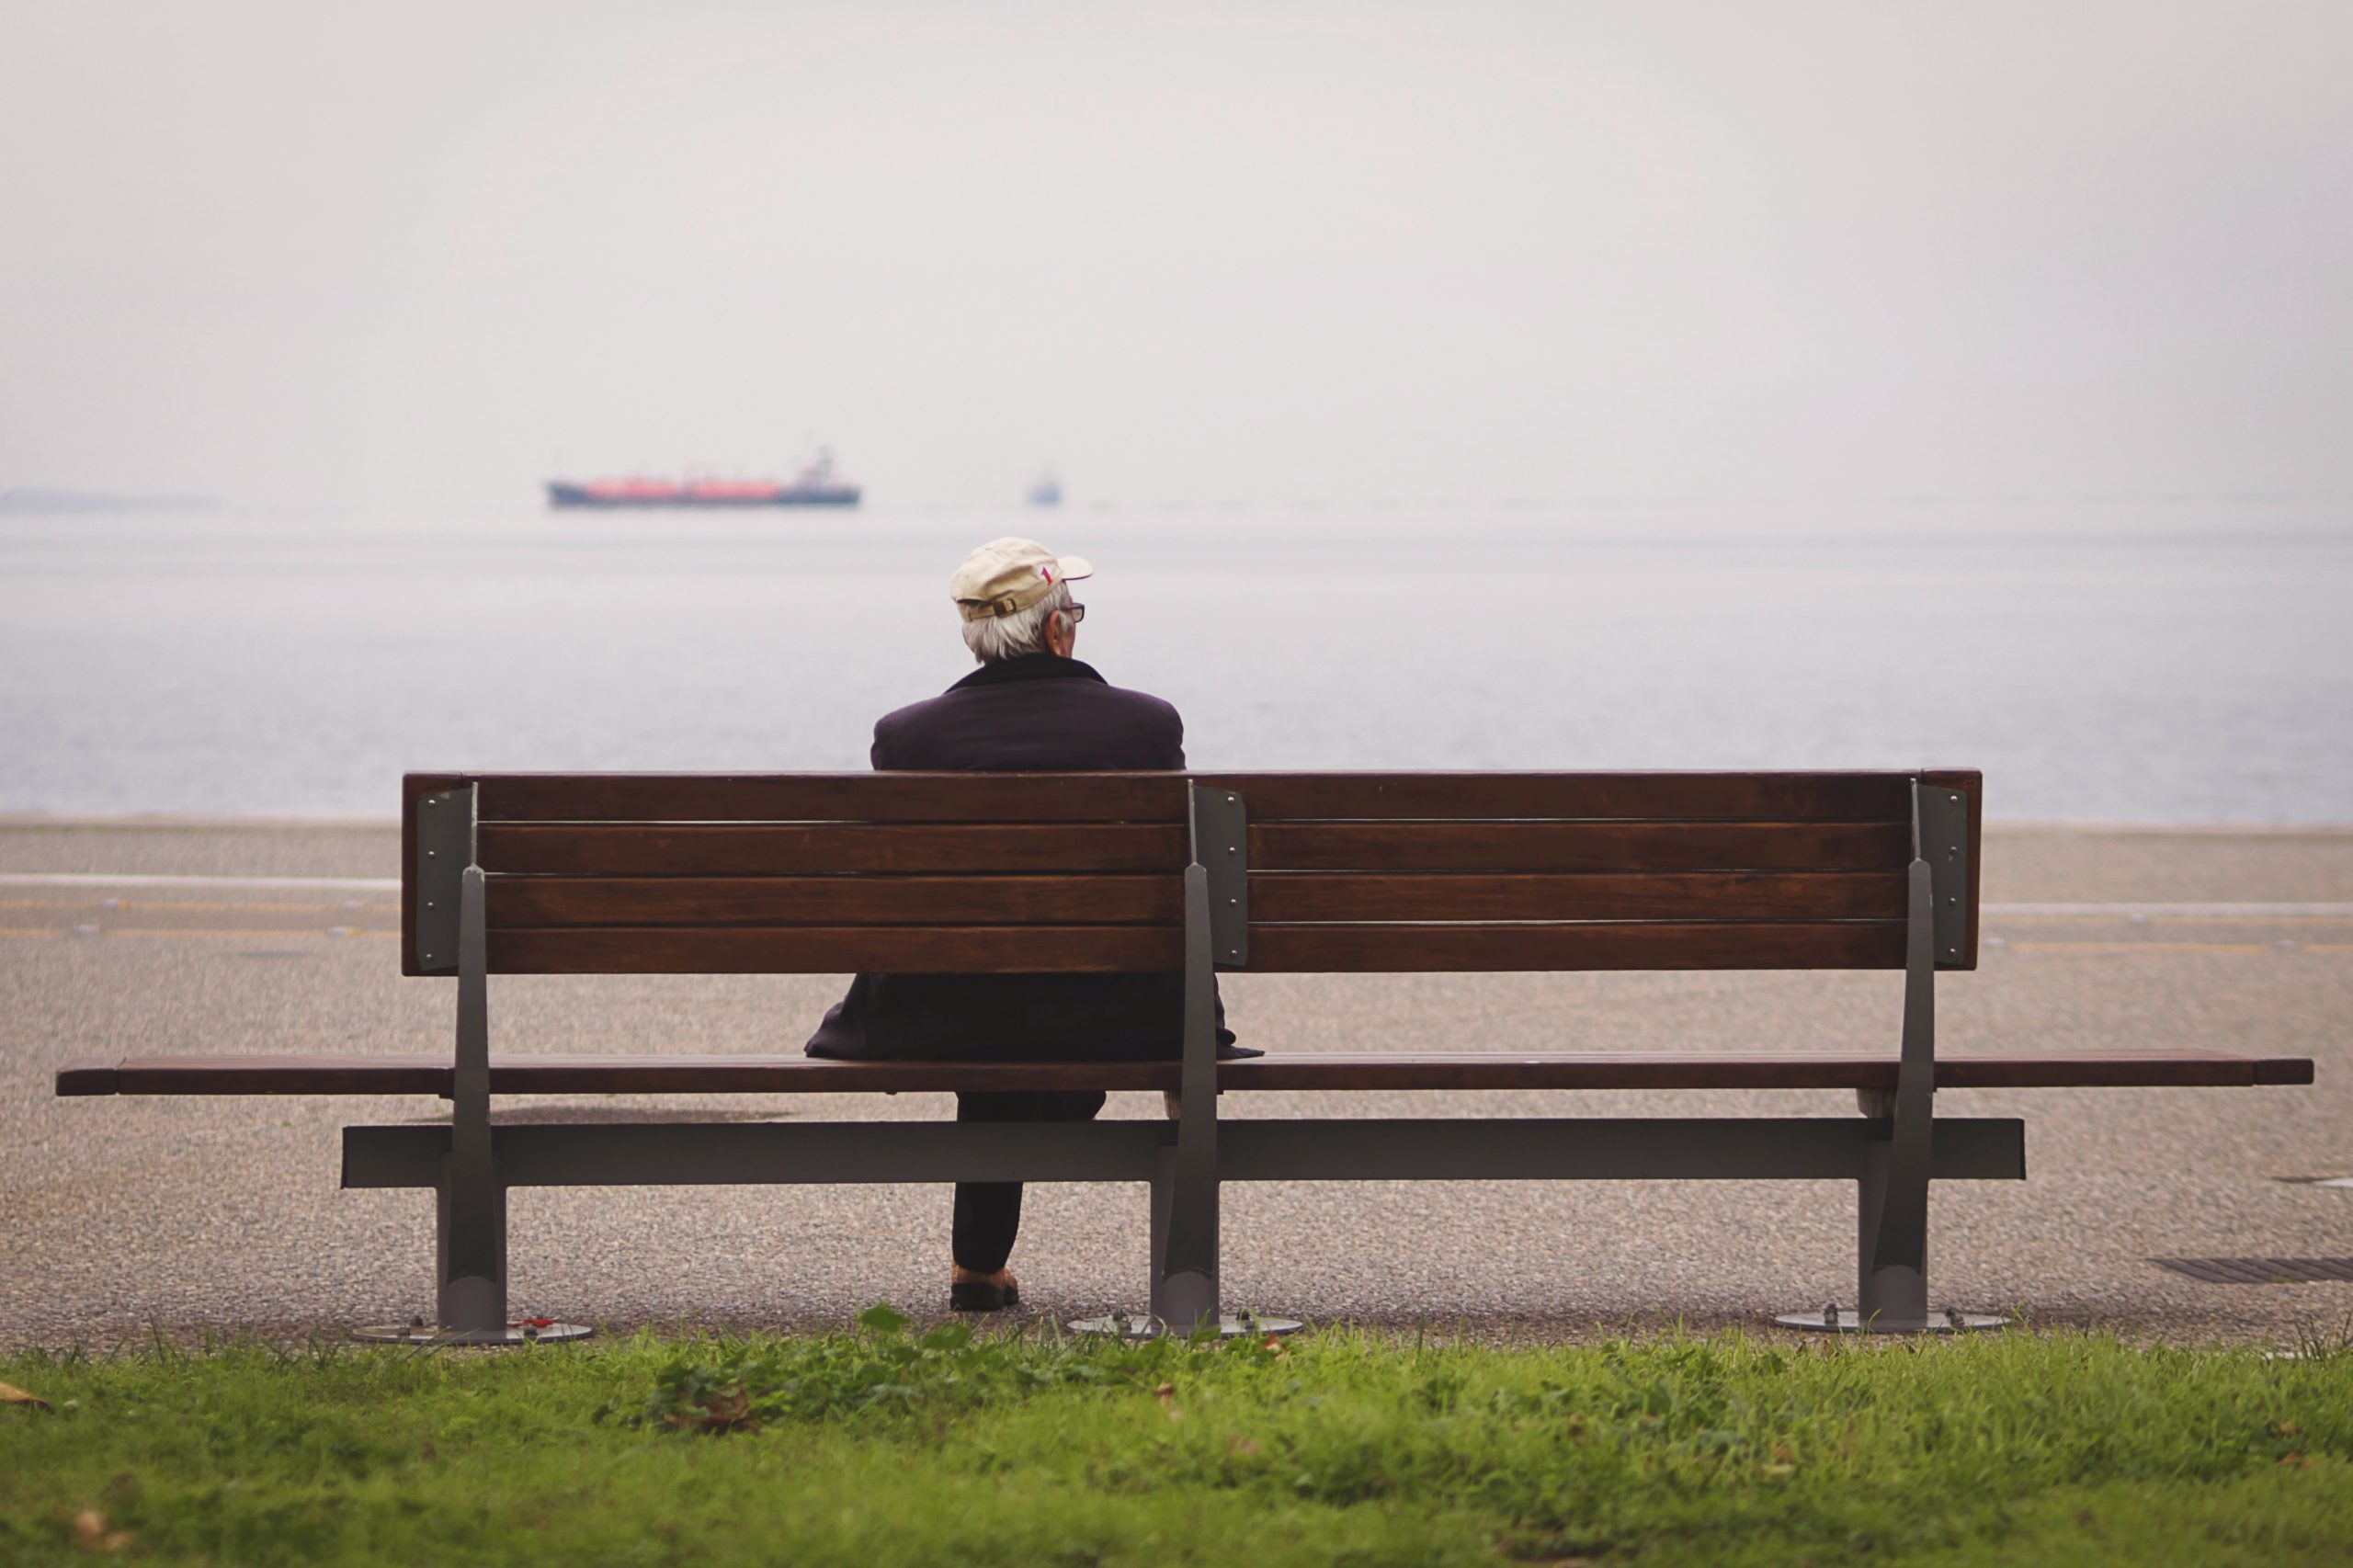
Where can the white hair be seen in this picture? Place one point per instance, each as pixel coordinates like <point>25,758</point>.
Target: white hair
<point>995,637</point>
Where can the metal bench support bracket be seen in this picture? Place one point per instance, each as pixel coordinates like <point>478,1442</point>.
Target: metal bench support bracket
<point>444,848</point>
<point>1891,1199</point>
<point>1184,1250</point>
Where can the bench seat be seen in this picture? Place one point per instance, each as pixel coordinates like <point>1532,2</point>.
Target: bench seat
<point>2152,1067</point>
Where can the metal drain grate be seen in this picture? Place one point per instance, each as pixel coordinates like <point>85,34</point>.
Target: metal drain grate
<point>2260,1271</point>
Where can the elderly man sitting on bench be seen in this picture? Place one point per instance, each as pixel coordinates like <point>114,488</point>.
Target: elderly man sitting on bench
<point>1029,707</point>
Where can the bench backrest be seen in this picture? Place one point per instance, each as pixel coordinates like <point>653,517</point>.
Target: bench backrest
<point>827,874</point>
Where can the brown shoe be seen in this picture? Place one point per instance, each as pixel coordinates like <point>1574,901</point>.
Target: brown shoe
<point>970,1290</point>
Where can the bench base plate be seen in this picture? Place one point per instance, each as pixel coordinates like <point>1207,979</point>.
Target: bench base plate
<point>1844,1320</point>
<point>513,1333</point>
<point>1143,1326</point>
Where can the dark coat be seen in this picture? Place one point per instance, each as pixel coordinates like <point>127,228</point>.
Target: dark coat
<point>1038,713</point>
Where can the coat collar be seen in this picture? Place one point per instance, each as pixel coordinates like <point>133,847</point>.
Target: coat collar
<point>1029,666</point>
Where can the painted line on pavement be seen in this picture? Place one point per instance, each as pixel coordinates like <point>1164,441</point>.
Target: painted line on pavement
<point>338,932</point>
<point>2169,911</point>
<point>2149,948</point>
<point>140,879</point>
<point>235,931</point>
<point>347,906</point>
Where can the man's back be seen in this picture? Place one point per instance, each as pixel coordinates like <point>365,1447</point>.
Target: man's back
<point>1036,713</point>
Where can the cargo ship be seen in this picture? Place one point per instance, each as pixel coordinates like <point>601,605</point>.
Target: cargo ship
<point>816,485</point>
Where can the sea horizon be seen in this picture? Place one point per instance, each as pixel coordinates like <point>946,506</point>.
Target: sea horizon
<point>2127,663</point>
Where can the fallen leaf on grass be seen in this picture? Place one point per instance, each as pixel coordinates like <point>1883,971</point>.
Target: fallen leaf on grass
<point>90,1533</point>
<point>725,1413</point>
<point>2289,1429</point>
<point>11,1394</point>
<point>1538,1554</point>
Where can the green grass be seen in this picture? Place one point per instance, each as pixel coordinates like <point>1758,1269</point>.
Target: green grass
<point>883,1446</point>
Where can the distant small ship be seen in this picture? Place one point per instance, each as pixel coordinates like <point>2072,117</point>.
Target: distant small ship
<point>1046,492</point>
<point>816,485</point>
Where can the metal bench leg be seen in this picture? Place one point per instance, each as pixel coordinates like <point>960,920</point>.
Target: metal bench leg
<point>1156,1196</point>
<point>1184,1251</point>
<point>1184,1275</point>
<point>472,1209</point>
<point>1161,1196</point>
<point>470,1201</point>
<point>1891,1283</point>
<point>1184,1301</point>
<point>470,1252</point>
<point>1185,1178</point>
<point>1891,1211</point>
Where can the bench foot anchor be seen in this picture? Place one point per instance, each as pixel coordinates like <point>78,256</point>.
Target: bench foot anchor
<point>1834,1319</point>
<point>1143,1325</point>
<point>536,1331</point>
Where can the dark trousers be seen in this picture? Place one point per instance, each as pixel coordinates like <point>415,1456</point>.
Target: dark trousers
<point>988,1213</point>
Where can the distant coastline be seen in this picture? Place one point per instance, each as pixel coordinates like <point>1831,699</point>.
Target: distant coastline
<point>38,500</point>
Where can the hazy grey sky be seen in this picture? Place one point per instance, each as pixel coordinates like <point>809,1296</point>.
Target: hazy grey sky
<point>301,251</point>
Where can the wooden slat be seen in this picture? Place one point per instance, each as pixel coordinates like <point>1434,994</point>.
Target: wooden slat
<point>821,849</point>
<point>803,1074</point>
<point>1577,896</point>
<point>1407,949</point>
<point>1734,797</point>
<point>1578,846</point>
<point>1110,900</point>
<point>1399,948</point>
<point>833,796</point>
<point>283,1076</point>
<point>840,949</point>
<point>927,797</point>
<point>1318,1071</point>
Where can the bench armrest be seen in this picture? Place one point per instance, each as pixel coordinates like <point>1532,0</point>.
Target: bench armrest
<point>87,1078</point>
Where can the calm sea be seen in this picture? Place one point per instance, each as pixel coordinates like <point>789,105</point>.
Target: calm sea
<point>2189,661</point>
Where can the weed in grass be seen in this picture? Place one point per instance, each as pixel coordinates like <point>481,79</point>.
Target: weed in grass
<point>2318,1343</point>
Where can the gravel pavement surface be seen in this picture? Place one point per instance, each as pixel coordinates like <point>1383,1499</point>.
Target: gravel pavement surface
<point>119,1217</point>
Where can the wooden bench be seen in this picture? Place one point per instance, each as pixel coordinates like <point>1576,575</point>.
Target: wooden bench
<point>971,873</point>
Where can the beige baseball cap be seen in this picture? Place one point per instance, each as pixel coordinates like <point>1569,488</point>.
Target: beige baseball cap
<point>1006,577</point>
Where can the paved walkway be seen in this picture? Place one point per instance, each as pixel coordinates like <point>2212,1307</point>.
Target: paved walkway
<point>122,1215</point>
